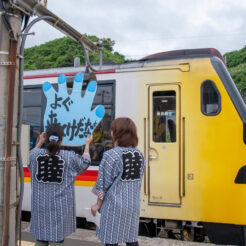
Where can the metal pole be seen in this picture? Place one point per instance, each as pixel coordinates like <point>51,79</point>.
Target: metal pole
<point>9,47</point>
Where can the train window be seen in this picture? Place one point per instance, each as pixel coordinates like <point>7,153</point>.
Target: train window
<point>32,116</point>
<point>32,97</point>
<point>102,139</point>
<point>164,116</point>
<point>210,98</point>
<point>32,108</point>
<point>104,95</point>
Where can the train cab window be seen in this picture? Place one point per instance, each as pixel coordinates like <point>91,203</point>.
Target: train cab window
<point>164,116</point>
<point>210,98</point>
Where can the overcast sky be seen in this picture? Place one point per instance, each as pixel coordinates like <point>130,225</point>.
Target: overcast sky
<point>143,27</point>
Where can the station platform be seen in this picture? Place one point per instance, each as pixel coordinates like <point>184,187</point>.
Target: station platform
<point>83,237</point>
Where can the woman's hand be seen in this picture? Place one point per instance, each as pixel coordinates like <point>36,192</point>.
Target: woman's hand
<point>94,209</point>
<point>42,137</point>
<point>87,143</point>
<point>89,139</point>
<point>41,140</point>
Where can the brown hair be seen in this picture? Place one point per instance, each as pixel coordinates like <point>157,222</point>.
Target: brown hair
<point>53,146</point>
<point>124,132</point>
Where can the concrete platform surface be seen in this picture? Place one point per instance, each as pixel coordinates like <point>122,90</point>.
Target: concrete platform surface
<point>84,237</point>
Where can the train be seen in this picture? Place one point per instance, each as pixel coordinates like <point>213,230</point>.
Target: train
<point>191,123</point>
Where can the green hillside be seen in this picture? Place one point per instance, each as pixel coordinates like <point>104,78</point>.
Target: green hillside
<point>236,63</point>
<point>61,52</point>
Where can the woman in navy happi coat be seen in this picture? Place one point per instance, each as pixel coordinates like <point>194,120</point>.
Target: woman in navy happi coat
<point>53,172</point>
<point>118,186</point>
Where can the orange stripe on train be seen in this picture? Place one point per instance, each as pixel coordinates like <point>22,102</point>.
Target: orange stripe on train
<point>88,178</point>
<point>77,183</point>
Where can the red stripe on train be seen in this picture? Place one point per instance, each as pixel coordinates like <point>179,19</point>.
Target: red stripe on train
<point>26,172</point>
<point>88,175</point>
<point>40,76</point>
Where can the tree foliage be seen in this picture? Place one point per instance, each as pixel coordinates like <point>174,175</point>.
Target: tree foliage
<point>236,62</point>
<point>236,58</point>
<point>61,53</point>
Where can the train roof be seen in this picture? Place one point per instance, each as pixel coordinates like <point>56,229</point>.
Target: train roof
<point>184,54</point>
<point>112,68</point>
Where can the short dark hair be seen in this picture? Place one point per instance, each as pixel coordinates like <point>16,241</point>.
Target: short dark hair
<point>124,132</point>
<point>53,130</point>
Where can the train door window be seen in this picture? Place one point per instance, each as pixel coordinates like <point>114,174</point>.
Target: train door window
<point>32,112</point>
<point>164,116</point>
<point>210,98</point>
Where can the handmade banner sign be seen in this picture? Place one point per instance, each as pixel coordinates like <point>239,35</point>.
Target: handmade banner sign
<point>72,111</point>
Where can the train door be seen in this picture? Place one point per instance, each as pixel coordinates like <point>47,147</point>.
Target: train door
<point>164,144</point>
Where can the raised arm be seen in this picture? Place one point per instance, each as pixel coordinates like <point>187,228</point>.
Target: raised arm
<point>81,163</point>
<point>41,141</point>
<point>86,153</point>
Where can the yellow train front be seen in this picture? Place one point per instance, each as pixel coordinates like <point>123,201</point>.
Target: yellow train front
<point>194,141</point>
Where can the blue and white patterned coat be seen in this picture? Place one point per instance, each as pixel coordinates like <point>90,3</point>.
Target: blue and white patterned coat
<point>118,184</point>
<point>52,198</point>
